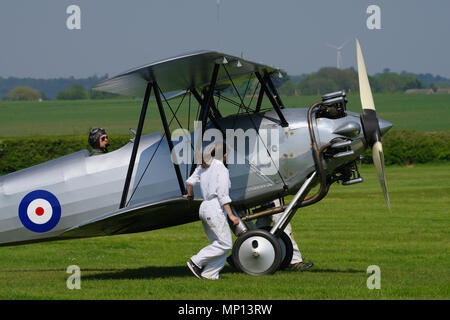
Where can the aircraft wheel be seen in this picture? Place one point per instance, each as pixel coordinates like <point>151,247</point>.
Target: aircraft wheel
<point>257,252</point>
<point>287,249</point>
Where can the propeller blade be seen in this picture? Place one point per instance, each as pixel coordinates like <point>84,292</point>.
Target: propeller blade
<point>378,160</point>
<point>371,127</point>
<point>364,86</point>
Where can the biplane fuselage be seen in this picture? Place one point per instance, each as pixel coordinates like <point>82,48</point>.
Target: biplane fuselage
<point>88,188</point>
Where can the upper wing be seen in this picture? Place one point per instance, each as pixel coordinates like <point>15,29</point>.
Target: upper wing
<point>178,74</point>
<point>139,218</point>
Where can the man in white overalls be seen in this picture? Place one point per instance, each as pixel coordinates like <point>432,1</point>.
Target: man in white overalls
<point>214,182</point>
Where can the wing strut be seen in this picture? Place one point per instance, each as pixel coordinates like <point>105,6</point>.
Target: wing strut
<point>214,109</point>
<point>274,101</point>
<point>205,106</point>
<point>274,91</point>
<point>260,98</point>
<point>168,136</point>
<point>209,97</point>
<point>135,145</point>
<point>216,115</point>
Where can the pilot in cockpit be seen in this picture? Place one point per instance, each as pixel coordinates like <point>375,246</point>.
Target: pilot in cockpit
<point>98,140</point>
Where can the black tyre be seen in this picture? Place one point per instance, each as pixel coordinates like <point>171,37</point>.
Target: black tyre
<point>257,252</point>
<point>231,261</point>
<point>288,250</point>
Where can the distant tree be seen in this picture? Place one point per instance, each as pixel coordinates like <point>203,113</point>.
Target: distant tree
<point>43,95</point>
<point>23,93</point>
<point>393,82</point>
<point>312,85</point>
<point>327,80</point>
<point>288,88</point>
<point>387,82</point>
<point>331,79</point>
<point>410,81</point>
<point>75,92</point>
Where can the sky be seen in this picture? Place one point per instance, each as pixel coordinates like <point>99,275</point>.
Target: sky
<point>118,35</point>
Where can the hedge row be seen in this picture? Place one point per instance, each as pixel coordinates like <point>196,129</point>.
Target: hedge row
<point>400,147</point>
<point>410,146</point>
<point>20,153</point>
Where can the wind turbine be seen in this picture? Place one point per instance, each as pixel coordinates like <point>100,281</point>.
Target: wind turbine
<point>339,55</point>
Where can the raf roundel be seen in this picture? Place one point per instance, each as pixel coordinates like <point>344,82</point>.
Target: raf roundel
<point>39,211</point>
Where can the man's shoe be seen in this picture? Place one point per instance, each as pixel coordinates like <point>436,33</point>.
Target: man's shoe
<point>301,266</point>
<point>194,269</point>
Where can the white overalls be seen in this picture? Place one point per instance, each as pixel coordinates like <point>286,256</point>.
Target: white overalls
<point>214,184</point>
<point>296,255</point>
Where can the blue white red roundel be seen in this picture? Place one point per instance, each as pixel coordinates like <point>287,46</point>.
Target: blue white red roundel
<point>39,211</point>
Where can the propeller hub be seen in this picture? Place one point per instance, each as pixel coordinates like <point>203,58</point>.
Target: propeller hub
<point>371,127</point>
<point>384,125</point>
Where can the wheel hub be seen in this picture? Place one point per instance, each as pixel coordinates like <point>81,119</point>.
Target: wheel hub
<point>257,254</point>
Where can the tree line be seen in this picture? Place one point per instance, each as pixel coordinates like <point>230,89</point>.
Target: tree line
<point>327,79</point>
<point>47,88</point>
<point>74,92</point>
<point>331,79</point>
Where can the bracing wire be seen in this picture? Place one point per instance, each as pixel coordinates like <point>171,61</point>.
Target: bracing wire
<point>157,147</point>
<point>253,123</point>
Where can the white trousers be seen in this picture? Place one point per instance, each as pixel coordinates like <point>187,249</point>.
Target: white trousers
<point>296,256</point>
<point>213,257</point>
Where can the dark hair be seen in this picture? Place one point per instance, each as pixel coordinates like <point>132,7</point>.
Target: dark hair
<point>212,154</point>
<point>224,149</point>
<point>94,137</point>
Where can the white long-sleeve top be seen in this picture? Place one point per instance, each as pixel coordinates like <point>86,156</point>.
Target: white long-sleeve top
<point>214,181</point>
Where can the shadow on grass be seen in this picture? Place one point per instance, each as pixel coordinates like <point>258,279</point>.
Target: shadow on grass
<point>177,271</point>
<point>145,273</point>
<point>159,272</point>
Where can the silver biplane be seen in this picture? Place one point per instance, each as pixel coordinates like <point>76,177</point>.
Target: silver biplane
<point>139,187</point>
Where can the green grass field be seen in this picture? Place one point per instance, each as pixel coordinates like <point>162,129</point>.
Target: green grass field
<point>343,234</point>
<point>418,112</point>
